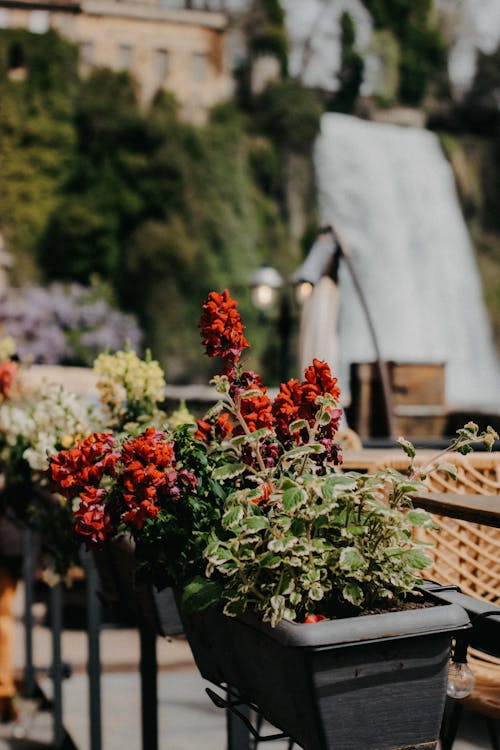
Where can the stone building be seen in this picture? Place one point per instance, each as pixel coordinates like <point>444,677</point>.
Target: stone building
<point>179,50</point>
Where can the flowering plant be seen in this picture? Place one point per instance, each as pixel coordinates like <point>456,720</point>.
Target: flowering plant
<point>65,323</point>
<point>40,424</point>
<point>130,388</point>
<point>253,510</point>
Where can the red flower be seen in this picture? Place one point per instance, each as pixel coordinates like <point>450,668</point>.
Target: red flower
<point>286,407</point>
<point>92,521</point>
<point>298,401</point>
<point>149,476</point>
<point>8,372</point>
<point>256,410</point>
<point>319,380</point>
<point>263,498</point>
<point>220,428</point>
<point>314,618</point>
<point>140,513</point>
<point>221,327</point>
<point>73,470</point>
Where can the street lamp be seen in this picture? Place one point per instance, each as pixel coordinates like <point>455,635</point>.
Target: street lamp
<point>264,286</point>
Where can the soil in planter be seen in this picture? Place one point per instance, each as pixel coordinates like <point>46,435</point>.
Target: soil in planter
<point>341,610</point>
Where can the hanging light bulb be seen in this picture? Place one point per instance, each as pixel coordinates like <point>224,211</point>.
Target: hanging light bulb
<point>461,680</point>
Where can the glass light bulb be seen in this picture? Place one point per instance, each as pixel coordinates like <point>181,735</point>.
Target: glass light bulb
<point>461,680</point>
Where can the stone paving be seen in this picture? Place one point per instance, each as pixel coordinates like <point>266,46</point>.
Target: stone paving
<point>187,719</point>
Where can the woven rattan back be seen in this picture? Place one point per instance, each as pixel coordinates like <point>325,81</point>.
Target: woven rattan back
<point>466,554</point>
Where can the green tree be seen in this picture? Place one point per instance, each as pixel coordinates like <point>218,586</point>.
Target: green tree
<point>350,75</point>
<point>423,53</point>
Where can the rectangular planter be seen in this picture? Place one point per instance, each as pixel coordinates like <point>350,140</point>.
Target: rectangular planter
<point>376,682</point>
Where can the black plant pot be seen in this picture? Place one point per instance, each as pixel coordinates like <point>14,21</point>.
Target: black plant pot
<point>139,602</point>
<point>376,682</point>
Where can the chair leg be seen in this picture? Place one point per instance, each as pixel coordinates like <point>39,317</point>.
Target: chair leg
<point>451,720</point>
<point>493,727</point>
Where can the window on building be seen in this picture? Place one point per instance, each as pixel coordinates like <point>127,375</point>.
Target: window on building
<point>39,21</point>
<point>125,56</point>
<point>4,18</point>
<point>162,63</point>
<point>87,53</point>
<point>199,66</point>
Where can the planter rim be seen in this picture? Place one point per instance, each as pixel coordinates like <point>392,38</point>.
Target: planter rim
<point>366,628</point>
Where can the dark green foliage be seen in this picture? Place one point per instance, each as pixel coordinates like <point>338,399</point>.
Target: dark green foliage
<point>480,110</point>
<point>272,41</point>
<point>267,32</point>
<point>50,61</point>
<point>274,11</point>
<point>351,67</point>
<point>162,210</point>
<point>78,243</point>
<point>422,57</point>
<point>36,134</point>
<point>289,114</point>
<point>423,54</point>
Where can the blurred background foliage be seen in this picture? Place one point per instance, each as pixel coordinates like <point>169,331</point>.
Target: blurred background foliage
<point>162,211</point>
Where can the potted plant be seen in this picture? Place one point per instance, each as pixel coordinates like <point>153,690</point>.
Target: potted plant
<point>298,581</point>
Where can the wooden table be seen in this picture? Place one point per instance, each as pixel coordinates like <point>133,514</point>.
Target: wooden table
<point>483,509</point>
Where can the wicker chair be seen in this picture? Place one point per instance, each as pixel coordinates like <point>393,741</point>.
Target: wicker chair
<point>468,555</point>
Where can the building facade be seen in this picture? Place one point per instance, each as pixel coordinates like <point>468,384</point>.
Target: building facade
<point>182,51</point>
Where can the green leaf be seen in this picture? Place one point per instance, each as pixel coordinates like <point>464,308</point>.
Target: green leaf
<point>232,517</point>
<point>447,468</point>
<point>288,483</point>
<point>297,425</point>
<point>408,447</point>
<point>270,560</point>
<point>417,558</point>
<point>258,434</point>
<point>219,555</point>
<point>316,592</point>
<point>336,483</point>
<point>356,530</point>
<point>419,517</point>
<point>214,410</point>
<point>353,593</point>
<point>304,450</point>
<point>351,559</point>
<point>327,400</point>
<point>228,471</point>
<point>250,393</point>
<point>235,607</point>
<point>324,418</point>
<point>255,523</point>
<point>293,497</point>
<point>200,594</point>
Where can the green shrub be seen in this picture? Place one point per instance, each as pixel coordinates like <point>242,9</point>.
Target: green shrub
<point>290,114</point>
<point>423,53</point>
<point>350,75</point>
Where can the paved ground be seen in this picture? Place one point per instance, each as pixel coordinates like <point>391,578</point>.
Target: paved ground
<point>188,721</point>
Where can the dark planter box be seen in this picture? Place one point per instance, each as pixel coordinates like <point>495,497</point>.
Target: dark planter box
<point>376,682</point>
<point>140,602</point>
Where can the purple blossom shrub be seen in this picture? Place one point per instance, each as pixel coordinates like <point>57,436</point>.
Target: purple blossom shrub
<point>66,324</point>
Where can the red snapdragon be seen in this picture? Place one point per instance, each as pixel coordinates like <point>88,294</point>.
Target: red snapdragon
<point>221,327</point>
